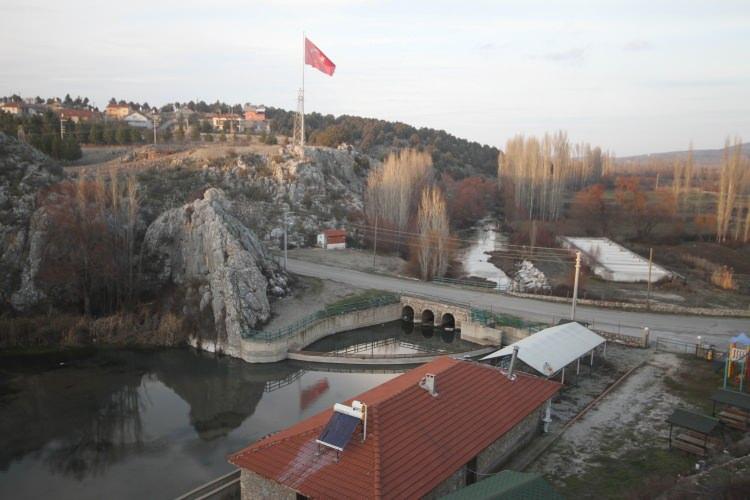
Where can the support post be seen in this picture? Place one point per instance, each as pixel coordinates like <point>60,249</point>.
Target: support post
<point>591,363</point>
<point>575,286</point>
<point>375,241</point>
<point>562,379</point>
<point>285,244</point>
<point>650,262</point>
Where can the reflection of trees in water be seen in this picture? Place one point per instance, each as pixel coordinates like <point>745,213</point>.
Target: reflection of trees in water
<point>106,437</point>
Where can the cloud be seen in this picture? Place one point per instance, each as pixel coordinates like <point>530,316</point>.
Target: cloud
<point>638,45</point>
<point>573,55</point>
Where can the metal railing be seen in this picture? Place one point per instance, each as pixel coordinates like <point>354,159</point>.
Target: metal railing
<point>489,318</point>
<point>472,283</point>
<point>329,311</point>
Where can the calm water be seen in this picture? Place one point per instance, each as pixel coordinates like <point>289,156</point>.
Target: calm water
<point>394,338</point>
<point>134,424</point>
<point>475,260</point>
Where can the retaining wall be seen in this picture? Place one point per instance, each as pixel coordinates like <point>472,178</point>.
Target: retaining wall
<point>271,351</point>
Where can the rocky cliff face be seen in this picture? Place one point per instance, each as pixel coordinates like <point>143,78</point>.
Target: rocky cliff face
<point>221,272</point>
<point>24,173</point>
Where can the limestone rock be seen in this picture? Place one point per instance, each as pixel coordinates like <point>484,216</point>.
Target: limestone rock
<point>224,270</point>
<point>24,172</point>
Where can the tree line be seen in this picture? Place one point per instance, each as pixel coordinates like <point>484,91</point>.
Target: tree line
<point>452,155</point>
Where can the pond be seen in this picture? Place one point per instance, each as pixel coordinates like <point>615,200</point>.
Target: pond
<point>475,259</point>
<point>145,424</point>
<point>394,338</point>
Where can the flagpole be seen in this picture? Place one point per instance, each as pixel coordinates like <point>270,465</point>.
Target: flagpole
<point>302,118</point>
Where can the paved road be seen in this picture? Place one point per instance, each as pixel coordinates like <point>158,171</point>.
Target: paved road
<point>712,329</point>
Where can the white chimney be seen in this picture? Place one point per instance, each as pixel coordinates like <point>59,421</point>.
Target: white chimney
<point>428,383</point>
<point>512,362</point>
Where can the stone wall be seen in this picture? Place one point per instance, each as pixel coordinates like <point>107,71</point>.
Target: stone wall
<point>641,340</point>
<point>480,334</point>
<point>496,453</point>
<point>260,351</point>
<point>255,487</point>
<point>501,450</point>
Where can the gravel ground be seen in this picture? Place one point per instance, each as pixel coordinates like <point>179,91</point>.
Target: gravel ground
<point>310,295</point>
<point>352,258</point>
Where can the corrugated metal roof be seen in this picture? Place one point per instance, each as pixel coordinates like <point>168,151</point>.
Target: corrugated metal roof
<point>508,485</point>
<point>549,350</point>
<point>415,441</point>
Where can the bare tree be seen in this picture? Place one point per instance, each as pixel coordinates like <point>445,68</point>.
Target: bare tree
<point>434,232</point>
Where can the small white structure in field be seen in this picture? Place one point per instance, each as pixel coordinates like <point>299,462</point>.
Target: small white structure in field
<point>332,239</point>
<point>613,262</point>
<point>138,120</point>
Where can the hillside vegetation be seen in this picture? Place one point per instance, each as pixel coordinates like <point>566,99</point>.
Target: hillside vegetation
<point>457,157</point>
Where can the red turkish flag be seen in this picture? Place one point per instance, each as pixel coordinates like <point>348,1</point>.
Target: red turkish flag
<point>317,59</point>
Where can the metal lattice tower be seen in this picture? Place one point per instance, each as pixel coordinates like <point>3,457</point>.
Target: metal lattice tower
<point>299,121</point>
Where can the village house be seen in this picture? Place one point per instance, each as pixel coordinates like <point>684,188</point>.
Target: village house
<point>226,122</point>
<point>15,108</point>
<point>423,434</point>
<point>78,115</point>
<point>254,113</point>
<point>117,111</point>
<point>332,239</point>
<point>138,120</point>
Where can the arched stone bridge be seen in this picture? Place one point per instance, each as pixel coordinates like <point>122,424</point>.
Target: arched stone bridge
<point>433,312</point>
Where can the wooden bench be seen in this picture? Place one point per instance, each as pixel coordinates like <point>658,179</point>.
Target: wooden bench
<point>688,446</point>
<point>735,418</point>
<point>711,441</point>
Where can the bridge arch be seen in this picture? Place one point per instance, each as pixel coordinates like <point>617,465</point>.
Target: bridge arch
<point>448,322</point>
<point>428,317</point>
<point>407,314</point>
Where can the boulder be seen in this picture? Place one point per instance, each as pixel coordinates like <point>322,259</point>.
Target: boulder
<point>224,273</point>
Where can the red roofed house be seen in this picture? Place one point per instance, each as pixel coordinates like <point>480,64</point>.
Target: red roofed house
<point>77,115</point>
<point>423,439</point>
<point>331,239</point>
<point>117,111</point>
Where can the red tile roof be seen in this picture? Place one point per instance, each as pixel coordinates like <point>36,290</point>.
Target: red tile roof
<point>334,232</point>
<point>414,441</point>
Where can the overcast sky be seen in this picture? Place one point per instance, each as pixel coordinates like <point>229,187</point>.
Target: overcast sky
<point>634,77</point>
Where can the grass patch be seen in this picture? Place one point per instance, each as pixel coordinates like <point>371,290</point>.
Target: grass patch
<point>694,382</point>
<point>642,473</point>
<point>364,296</point>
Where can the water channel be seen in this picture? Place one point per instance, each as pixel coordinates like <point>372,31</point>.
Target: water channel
<point>475,260</point>
<point>145,424</point>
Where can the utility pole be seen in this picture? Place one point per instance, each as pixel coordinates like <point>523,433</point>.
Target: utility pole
<point>650,262</point>
<point>285,246</point>
<point>575,286</point>
<point>62,128</point>
<point>155,120</point>
<point>375,241</point>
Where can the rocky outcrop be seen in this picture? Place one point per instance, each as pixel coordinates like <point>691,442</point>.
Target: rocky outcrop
<point>24,173</point>
<point>202,259</point>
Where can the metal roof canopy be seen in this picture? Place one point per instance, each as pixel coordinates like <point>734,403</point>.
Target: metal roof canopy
<point>731,398</point>
<point>693,421</point>
<point>550,350</point>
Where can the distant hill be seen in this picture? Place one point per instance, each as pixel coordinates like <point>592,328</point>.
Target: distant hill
<point>457,157</point>
<point>701,157</point>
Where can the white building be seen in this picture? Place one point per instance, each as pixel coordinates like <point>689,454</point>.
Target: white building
<point>332,239</point>
<point>138,120</point>
<point>613,262</point>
